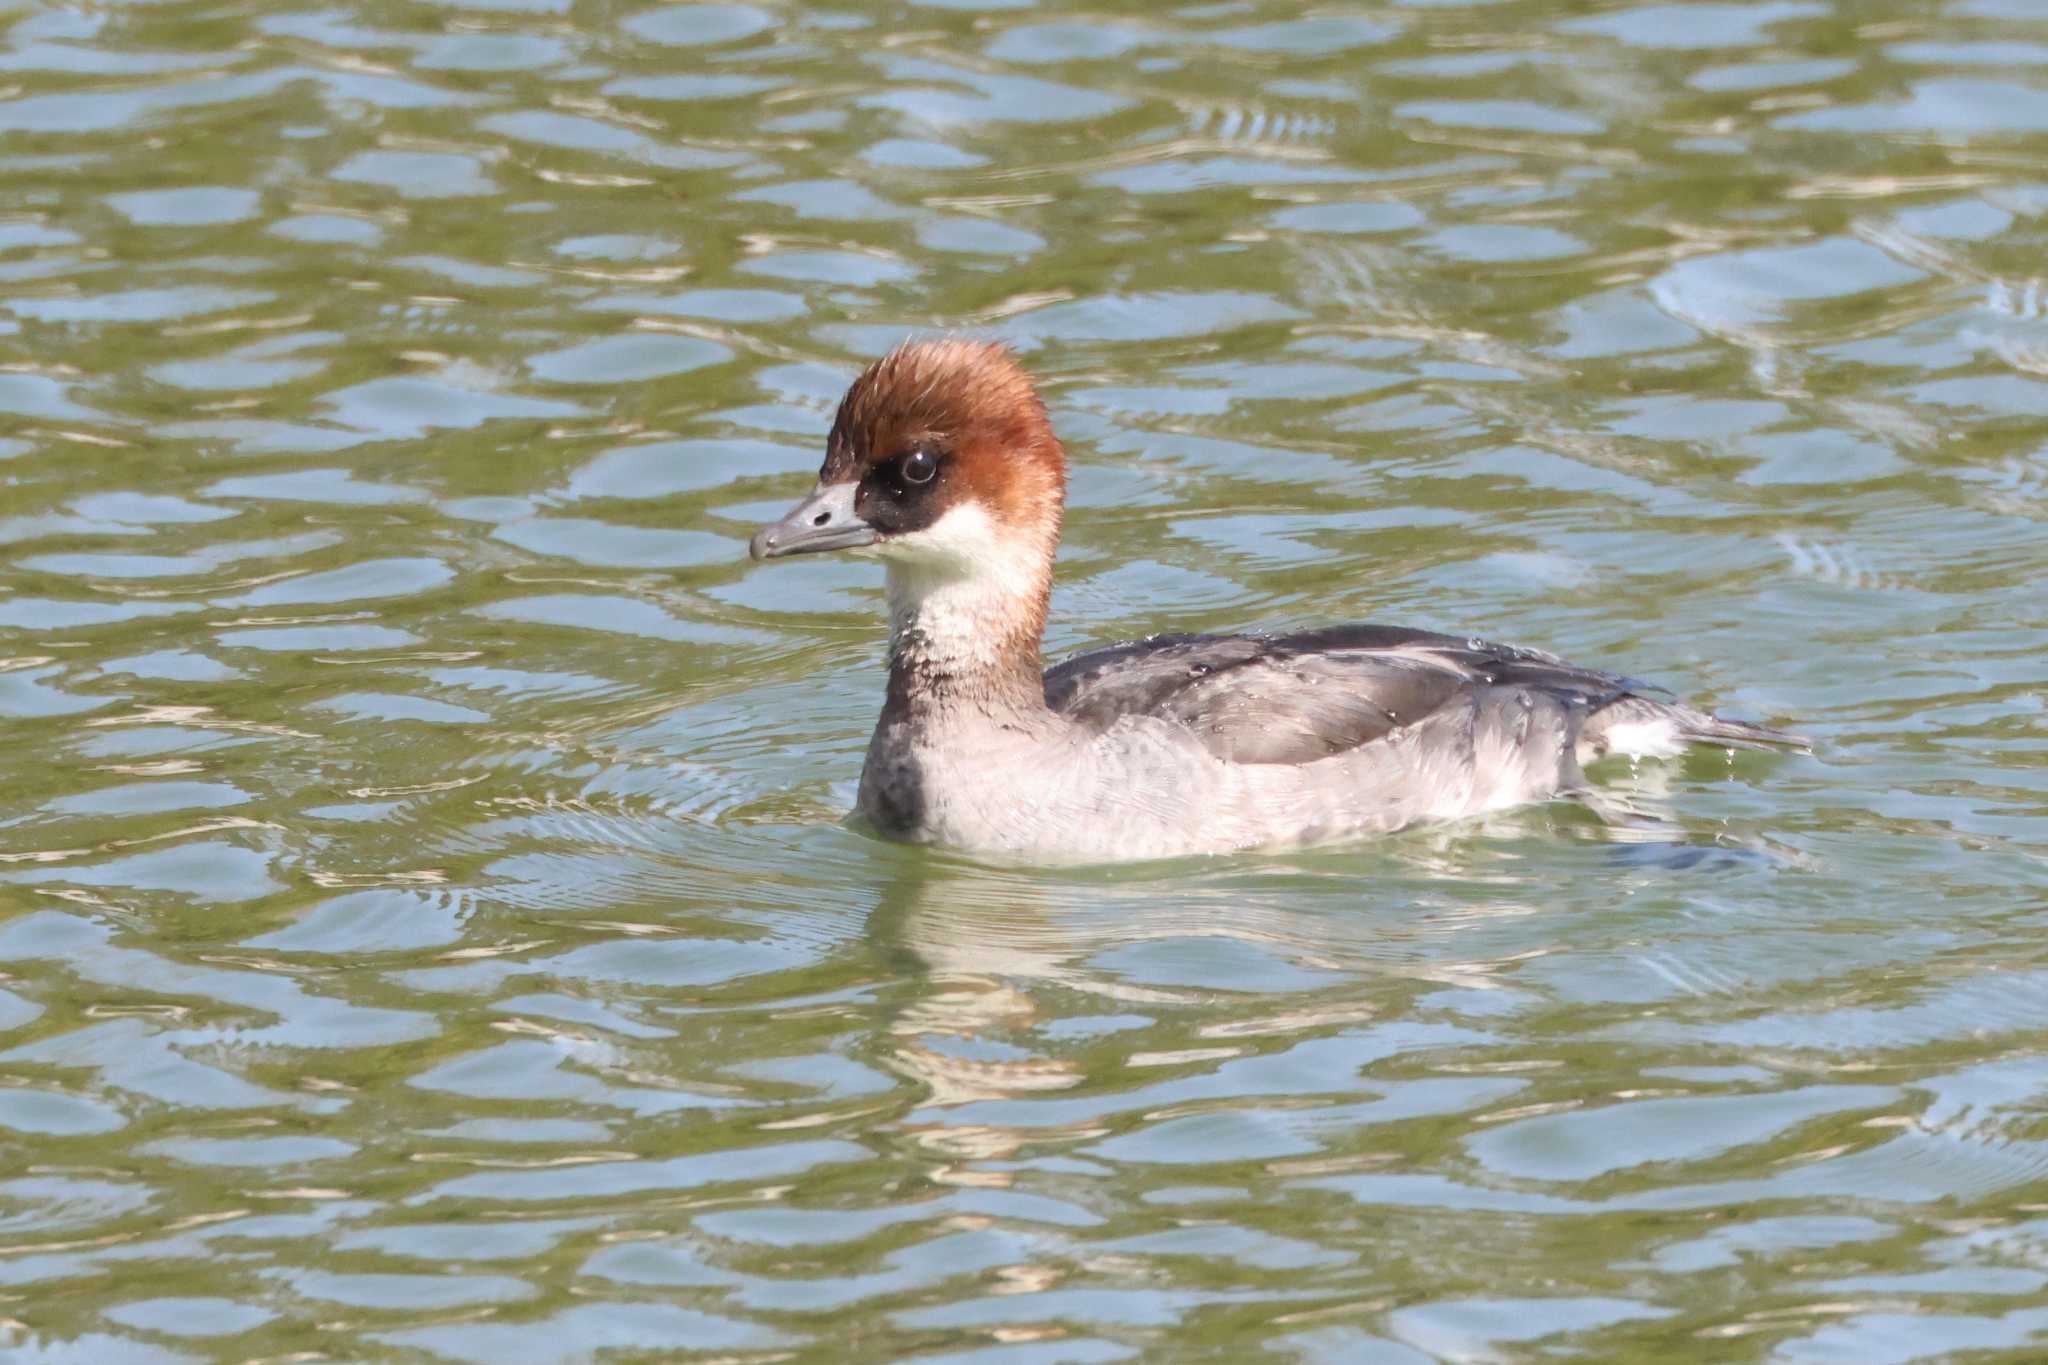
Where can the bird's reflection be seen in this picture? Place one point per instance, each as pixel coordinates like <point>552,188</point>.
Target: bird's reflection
<point>1200,956</point>
<point>1007,971</point>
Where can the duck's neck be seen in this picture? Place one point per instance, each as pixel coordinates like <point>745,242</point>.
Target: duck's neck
<point>965,639</point>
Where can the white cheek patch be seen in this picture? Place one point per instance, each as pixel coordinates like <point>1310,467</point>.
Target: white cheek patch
<point>964,538</point>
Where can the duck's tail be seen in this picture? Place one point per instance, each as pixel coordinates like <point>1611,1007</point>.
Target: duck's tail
<point>1643,727</point>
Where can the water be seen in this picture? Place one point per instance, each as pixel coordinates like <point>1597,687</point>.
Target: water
<point>429,933</point>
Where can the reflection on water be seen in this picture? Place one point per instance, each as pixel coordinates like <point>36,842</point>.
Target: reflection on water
<point>426,928</point>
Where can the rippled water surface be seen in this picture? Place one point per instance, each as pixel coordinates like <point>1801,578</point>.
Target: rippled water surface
<point>426,927</point>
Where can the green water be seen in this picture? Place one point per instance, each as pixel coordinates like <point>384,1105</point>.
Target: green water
<point>426,929</point>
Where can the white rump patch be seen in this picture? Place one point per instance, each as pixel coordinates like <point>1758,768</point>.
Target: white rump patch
<point>1654,738</point>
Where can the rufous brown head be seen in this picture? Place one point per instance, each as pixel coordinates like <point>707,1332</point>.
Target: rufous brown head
<point>934,435</point>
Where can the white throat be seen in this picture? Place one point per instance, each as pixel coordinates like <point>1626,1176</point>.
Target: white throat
<point>962,591</point>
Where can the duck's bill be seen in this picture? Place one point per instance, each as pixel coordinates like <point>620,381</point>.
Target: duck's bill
<point>823,521</point>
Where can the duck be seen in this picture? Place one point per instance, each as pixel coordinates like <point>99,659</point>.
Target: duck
<point>943,465</point>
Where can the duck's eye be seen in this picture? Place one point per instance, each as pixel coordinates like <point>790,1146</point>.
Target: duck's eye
<point>919,466</point>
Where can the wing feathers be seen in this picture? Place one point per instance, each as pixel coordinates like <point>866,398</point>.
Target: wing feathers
<point>1299,698</point>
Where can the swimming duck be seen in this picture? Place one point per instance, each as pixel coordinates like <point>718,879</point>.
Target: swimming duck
<point>943,465</point>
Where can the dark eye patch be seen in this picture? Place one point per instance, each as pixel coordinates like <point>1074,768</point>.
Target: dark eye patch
<point>897,495</point>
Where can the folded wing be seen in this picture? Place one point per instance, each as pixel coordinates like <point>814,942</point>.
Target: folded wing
<point>1300,698</point>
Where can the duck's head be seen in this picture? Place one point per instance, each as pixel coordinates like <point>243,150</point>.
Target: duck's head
<point>940,461</point>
